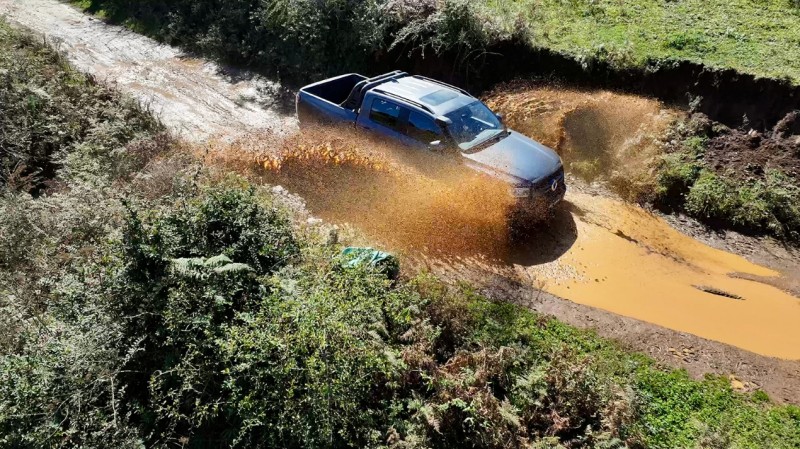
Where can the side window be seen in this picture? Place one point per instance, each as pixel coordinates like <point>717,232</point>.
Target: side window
<point>422,128</point>
<point>385,113</point>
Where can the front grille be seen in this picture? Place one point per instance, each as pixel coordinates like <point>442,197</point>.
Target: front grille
<point>546,184</point>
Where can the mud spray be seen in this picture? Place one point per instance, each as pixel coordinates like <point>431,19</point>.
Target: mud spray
<point>595,250</point>
<point>405,200</point>
<point>600,135</point>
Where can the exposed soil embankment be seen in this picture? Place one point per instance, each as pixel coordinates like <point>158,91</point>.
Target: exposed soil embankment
<point>750,154</point>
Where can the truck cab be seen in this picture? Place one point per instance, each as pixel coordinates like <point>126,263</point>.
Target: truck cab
<point>429,115</point>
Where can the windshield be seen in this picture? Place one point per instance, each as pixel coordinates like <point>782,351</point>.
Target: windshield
<point>473,124</point>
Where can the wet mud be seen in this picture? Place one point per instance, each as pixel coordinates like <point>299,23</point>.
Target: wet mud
<point>629,261</point>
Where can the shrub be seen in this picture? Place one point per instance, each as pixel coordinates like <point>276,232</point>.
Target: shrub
<point>766,205</point>
<point>315,365</point>
<point>187,271</point>
<point>455,27</point>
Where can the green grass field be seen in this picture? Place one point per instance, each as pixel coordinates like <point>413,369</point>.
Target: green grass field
<point>761,38</point>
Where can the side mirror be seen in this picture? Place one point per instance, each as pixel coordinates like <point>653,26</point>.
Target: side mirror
<point>443,122</point>
<point>500,117</point>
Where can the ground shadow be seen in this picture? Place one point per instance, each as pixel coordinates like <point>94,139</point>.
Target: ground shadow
<point>546,241</point>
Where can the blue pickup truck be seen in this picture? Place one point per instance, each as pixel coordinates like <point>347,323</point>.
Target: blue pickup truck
<point>428,115</point>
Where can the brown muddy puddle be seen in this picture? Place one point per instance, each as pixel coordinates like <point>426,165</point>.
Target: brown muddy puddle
<point>596,250</point>
<point>630,262</point>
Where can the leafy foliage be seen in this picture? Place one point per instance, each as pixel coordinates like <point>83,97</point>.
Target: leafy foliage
<point>289,38</point>
<point>195,315</point>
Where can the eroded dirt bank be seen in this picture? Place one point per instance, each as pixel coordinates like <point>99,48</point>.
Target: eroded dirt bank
<point>596,251</point>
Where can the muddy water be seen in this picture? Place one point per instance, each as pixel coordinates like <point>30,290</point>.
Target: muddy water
<point>600,135</point>
<point>406,200</point>
<point>630,262</point>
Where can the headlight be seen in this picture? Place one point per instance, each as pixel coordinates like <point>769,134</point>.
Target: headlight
<point>522,192</point>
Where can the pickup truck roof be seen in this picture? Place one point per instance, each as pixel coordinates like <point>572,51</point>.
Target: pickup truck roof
<point>429,94</point>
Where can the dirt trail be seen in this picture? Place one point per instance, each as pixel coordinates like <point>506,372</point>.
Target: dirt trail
<point>194,97</point>
<point>597,251</point>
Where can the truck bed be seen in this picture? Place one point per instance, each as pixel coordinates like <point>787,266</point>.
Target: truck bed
<point>335,90</point>
<point>322,101</point>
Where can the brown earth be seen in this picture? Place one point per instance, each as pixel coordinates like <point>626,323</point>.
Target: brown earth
<point>750,154</point>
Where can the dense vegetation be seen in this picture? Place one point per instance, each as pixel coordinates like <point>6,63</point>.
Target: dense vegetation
<point>308,37</point>
<point>162,304</point>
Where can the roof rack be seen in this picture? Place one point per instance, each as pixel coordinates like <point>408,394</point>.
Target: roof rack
<point>357,93</point>
<point>406,100</point>
<point>441,83</point>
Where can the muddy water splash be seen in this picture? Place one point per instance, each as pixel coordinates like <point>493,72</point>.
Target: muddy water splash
<point>406,200</point>
<point>595,251</point>
<point>601,135</point>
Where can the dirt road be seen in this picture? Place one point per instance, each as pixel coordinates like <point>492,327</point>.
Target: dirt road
<point>671,295</point>
<point>197,98</point>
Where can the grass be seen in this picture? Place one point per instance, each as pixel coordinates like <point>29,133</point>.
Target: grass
<point>761,38</point>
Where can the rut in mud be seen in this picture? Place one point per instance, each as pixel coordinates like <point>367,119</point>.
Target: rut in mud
<point>596,251</point>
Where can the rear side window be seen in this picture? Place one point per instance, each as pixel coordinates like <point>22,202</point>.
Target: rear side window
<point>385,113</point>
<point>422,128</point>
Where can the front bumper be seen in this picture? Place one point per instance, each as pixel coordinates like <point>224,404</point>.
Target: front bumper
<point>550,190</point>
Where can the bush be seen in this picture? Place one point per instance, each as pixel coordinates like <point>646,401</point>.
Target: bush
<point>208,323</point>
<point>186,272</point>
<point>769,206</point>
<point>764,205</point>
<point>455,27</point>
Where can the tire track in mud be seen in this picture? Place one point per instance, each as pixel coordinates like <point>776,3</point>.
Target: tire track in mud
<point>202,100</point>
